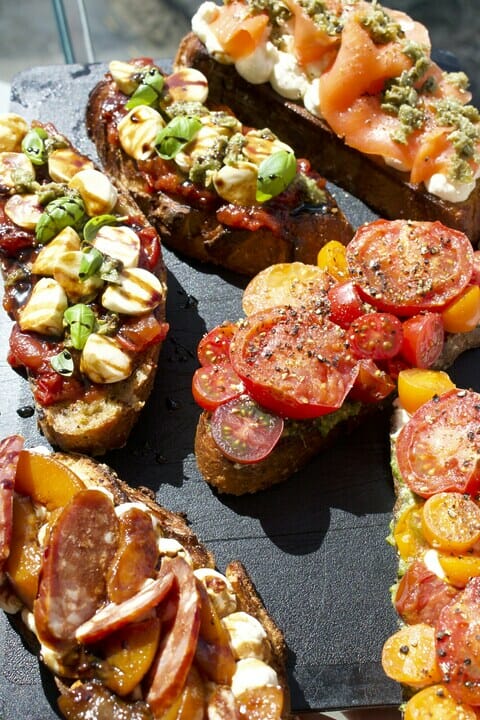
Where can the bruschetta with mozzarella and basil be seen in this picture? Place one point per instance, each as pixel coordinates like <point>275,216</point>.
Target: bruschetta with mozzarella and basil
<point>216,190</point>
<point>85,285</point>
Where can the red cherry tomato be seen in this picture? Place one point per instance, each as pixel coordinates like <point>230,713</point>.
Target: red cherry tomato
<point>458,644</point>
<point>345,304</point>
<point>421,595</point>
<point>245,432</point>
<point>377,336</point>
<point>139,333</point>
<point>371,384</point>
<point>216,384</point>
<point>30,351</point>
<point>214,347</point>
<point>423,337</point>
<point>293,362</point>
<point>403,267</point>
<point>432,455</point>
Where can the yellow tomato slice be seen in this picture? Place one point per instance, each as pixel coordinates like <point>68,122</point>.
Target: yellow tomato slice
<point>332,258</point>
<point>416,387</point>
<point>451,522</point>
<point>463,314</point>
<point>409,656</point>
<point>46,480</point>
<point>459,568</point>
<point>437,703</point>
<point>408,534</point>
<point>286,284</point>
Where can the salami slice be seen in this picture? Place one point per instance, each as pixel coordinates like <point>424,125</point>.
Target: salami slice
<point>81,547</point>
<point>10,449</point>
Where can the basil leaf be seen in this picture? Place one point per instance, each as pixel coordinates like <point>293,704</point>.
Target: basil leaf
<point>174,136</point>
<point>94,224</point>
<point>65,211</point>
<point>62,363</point>
<point>81,320</point>
<point>149,91</point>
<point>275,174</point>
<point>90,263</point>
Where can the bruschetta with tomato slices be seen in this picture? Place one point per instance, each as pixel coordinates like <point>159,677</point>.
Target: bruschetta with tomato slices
<point>436,533</point>
<point>84,283</point>
<point>321,346</point>
<point>217,191</point>
<point>354,85</point>
<point>129,612</point>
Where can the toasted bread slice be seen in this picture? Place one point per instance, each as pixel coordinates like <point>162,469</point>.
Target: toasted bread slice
<point>208,610</point>
<point>385,189</point>
<point>192,218</point>
<point>91,400</point>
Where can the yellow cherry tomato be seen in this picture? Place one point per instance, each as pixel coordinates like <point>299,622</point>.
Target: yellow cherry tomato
<point>437,703</point>
<point>459,569</point>
<point>416,387</point>
<point>332,258</point>
<point>409,656</point>
<point>408,534</point>
<point>463,314</point>
<point>451,522</point>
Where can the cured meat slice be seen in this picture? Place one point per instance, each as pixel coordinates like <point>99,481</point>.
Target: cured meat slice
<point>9,453</point>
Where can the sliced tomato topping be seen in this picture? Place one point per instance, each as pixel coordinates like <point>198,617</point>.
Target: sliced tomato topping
<point>139,333</point>
<point>423,337</point>
<point>421,595</point>
<point>346,304</point>
<point>293,362</point>
<point>371,384</point>
<point>214,347</point>
<point>403,266</point>
<point>30,351</point>
<point>52,388</point>
<point>245,432</point>
<point>214,385</point>
<point>432,455</point>
<point>458,644</point>
<point>377,336</point>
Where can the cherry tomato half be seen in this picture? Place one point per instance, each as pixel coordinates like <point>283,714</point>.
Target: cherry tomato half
<point>293,362</point>
<point>377,336</point>
<point>421,595</point>
<point>416,386</point>
<point>213,385</point>
<point>403,266</point>
<point>371,384</point>
<point>423,337</point>
<point>463,314</point>
<point>214,346</point>
<point>432,455</point>
<point>345,304</point>
<point>245,432</point>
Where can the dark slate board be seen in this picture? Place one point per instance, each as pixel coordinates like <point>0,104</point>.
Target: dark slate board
<point>315,545</point>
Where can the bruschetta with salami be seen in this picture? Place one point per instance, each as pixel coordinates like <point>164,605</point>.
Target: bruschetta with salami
<point>124,603</point>
<point>217,191</point>
<point>321,346</point>
<point>353,83</point>
<point>436,533</point>
<point>85,285</point>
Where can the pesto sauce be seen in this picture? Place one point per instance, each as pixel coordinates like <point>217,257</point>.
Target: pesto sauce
<point>326,423</point>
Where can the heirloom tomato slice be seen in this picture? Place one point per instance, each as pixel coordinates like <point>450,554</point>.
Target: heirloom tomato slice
<point>245,432</point>
<point>296,284</point>
<point>213,385</point>
<point>293,362</point>
<point>432,455</point>
<point>403,267</point>
<point>458,644</point>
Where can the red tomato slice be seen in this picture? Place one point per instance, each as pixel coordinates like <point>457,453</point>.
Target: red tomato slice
<point>137,334</point>
<point>432,455</point>
<point>475,279</point>
<point>423,338</point>
<point>458,644</point>
<point>403,267</point>
<point>214,385</point>
<point>214,347</point>
<point>377,336</point>
<point>30,351</point>
<point>345,304</point>
<point>371,384</point>
<point>293,362</point>
<point>421,595</point>
<point>245,432</point>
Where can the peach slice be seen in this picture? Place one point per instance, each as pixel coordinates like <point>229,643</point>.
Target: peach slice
<point>45,480</point>
<point>25,559</point>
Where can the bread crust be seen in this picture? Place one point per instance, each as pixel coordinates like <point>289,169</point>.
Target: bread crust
<point>384,189</point>
<point>197,233</point>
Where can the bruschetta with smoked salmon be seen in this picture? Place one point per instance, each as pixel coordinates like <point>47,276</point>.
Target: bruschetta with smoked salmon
<point>321,346</point>
<point>124,603</point>
<point>436,533</point>
<point>85,287</point>
<point>354,85</point>
<point>216,191</point>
